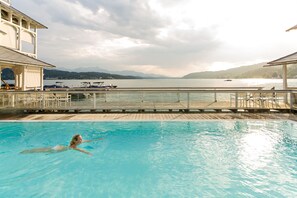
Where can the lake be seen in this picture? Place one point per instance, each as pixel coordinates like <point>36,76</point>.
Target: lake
<point>266,83</point>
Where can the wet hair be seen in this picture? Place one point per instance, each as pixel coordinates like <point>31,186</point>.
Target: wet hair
<point>74,138</point>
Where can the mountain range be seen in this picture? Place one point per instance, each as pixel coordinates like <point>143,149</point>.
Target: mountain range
<point>122,73</point>
<point>250,71</point>
<point>7,74</point>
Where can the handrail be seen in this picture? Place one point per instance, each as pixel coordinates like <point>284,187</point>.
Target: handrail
<point>189,99</point>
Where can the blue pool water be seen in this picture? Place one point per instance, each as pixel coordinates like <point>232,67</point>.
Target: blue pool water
<point>151,159</point>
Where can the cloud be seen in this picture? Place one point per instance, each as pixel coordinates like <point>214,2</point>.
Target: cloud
<point>161,36</point>
<point>118,35</point>
<point>133,19</point>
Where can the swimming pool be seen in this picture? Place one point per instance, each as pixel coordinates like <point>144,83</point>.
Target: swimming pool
<point>151,159</point>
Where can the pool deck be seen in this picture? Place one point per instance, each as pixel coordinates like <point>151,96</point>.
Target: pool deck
<point>145,116</point>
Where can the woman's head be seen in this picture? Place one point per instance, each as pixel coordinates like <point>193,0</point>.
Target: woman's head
<point>76,140</point>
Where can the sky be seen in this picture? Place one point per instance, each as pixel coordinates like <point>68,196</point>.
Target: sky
<point>164,37</point>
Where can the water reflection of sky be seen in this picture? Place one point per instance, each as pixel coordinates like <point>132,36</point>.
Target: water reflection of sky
<point>257,149</point>
<point>261,152</point>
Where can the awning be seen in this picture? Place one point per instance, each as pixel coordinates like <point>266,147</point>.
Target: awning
<point>292,28</point>
<point>12,57</point>
<point>289,59</point>
<point>284,62</point>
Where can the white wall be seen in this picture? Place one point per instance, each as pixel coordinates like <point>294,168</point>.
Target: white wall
<point>15,31</point>
<point>32,78</point>
<point>8,36</point>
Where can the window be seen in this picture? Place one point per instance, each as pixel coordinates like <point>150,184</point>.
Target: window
<point>24,24</point>
<point>15,20</point>
<point>4,15</point>
<point>32,28</point>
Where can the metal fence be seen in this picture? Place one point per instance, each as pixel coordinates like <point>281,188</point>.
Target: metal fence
<point>151,99</point>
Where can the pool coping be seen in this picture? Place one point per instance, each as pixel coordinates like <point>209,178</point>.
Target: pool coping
<point>146,116</point>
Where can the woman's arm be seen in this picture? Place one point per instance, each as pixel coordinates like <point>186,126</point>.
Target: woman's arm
<point>84,141</point>
<point>83,151</point>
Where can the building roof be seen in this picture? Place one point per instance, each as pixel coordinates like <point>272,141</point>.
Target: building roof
<point>292,28</point>
<point>289,59</point>
<point>12,57</point>
<point>17,12</point>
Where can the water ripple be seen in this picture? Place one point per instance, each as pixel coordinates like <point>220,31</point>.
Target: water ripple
<point>152,159</point>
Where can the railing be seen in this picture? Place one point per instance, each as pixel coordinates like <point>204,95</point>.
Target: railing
<point>151,99</point>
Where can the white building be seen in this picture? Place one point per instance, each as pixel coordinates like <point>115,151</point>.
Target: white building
<point>18,47</point>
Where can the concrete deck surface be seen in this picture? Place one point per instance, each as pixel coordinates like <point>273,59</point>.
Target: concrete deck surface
<point>144,116</point>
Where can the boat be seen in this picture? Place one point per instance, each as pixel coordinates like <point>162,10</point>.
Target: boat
<point>228,80</point>
<point>57,85</point>
<point>85,86</point>
<point>96,85</point>
<point>89,86</point>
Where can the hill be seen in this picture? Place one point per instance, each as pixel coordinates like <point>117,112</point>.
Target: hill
<point>123,72</point>
<point>7,74</point>
<point>58,74</point>
<point>251,71</point>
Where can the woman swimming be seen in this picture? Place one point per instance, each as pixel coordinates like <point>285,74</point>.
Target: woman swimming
<point>75,141</point>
